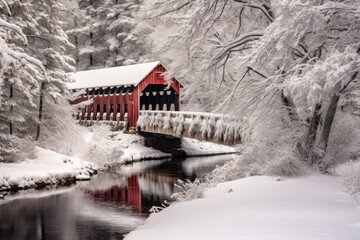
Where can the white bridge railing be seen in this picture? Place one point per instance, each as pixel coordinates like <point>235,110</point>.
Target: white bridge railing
<point>212,127</point>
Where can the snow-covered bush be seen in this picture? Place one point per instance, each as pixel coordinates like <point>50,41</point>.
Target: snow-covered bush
<point>15,149</point>
<point>60,132</point>
<point>103,150</point>
<point>350,172</point>
<point>189,190</point>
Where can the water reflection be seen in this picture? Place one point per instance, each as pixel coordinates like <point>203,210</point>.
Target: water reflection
<point>107,207</point>
<point>70,215</point>
<point>127,194</point>
<point>37,218</point>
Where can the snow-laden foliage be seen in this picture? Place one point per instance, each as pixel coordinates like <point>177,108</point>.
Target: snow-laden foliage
<point>60,132</point>
<point>49,43</point>
<point>32,85</point>
<point>16,149</point>
<point>18,90</point>
<point>188,190</point>
<point>288,66</point>
<point>350,172</point>
<point>104,36</point>
<point>344,142</point>
<point>321,78</point>
<point>103,150</point>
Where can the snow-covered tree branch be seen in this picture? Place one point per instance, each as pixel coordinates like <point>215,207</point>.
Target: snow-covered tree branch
<point>304,56</point>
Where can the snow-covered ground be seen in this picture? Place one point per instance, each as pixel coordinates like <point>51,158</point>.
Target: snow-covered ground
<point>107,148</point>
<point>313,207</point>
<point>117,147</point>
<point>134,149</point>
<point>193,147</point>
<point>47,168</point>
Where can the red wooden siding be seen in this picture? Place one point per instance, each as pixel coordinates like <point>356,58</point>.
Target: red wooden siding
<point>132,100</point>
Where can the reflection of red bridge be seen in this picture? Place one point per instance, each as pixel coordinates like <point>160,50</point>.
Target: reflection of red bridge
<point>129,194</point>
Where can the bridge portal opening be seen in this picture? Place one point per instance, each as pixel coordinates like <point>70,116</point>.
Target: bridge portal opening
<point>159,97</point>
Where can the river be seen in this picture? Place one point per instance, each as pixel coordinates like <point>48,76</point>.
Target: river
<point>111,204</point>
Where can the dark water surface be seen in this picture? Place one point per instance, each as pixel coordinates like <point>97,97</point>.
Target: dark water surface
<point>112,204</point>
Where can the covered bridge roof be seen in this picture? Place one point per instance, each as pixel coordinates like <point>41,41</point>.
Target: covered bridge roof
<point>115,76</point>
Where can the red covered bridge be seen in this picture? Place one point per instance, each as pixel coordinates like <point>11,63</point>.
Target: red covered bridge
<point>117,94</point>
<point>138,97</point>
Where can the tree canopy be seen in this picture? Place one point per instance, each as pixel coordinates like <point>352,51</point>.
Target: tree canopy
<point>290,68</point>
<point>104,35</point>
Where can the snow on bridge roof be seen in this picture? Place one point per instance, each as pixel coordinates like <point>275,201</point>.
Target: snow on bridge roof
<point>115,76</point>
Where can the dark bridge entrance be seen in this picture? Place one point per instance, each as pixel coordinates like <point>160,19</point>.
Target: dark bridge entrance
<point>159,97</point>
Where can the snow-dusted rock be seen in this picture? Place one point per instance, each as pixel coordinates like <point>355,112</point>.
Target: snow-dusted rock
<point>31,184</point>
<point>81,177</point>
<point>13,183</point>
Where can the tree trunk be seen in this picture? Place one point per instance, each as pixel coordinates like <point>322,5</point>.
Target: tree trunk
<point>40,111</point>
<point>91,56</point>
<point>11,110</point>
<point>91,59</point>
<point>328,120</point>
<point>288,103</point>
<point>311,157</point>
<point>76,41</point>
<point>314,124</point>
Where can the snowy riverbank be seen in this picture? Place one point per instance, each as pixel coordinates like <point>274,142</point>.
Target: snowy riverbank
<point>196,148</point>
<point>48,168</point>
<point>314,207</point>
<point>104,148</point>
<point>107,148</point>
